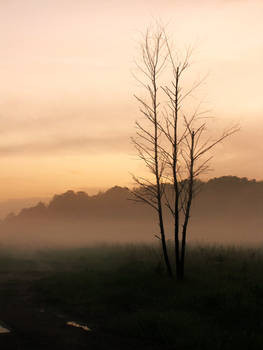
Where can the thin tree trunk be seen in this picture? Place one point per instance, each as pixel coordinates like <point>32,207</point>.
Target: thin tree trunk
<point>157,176</point>
<point>175,181</point>
<point>188,205</point>
<point>164,246</point>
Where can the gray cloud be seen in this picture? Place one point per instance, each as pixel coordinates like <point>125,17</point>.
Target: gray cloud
<point>81,145</point>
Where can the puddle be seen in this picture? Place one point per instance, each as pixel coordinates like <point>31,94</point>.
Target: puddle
<point>4,330</point>
<point>77,325</point>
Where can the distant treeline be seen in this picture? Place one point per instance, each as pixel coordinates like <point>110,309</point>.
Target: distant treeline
<point>223,195</point>
<point>227,208</point>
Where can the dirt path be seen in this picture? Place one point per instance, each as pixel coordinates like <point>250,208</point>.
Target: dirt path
<point>34,327</point>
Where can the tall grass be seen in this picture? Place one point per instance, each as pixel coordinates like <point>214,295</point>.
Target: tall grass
<point>123,290</point>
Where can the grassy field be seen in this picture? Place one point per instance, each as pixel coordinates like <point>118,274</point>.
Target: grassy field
<point>124,291</point>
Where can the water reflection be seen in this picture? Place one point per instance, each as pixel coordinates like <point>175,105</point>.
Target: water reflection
<point>77,325</point>
<point>4,330</point>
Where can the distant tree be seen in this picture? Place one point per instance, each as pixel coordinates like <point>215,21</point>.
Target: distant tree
<point>10,217</point>
<point>172,143</point>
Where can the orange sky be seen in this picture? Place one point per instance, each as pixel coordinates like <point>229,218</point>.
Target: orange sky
<point>66,95</point>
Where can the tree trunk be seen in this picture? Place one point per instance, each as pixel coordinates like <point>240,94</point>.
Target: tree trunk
<point>188,205</point>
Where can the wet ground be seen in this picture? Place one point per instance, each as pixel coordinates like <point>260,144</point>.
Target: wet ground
<point>37,327</point>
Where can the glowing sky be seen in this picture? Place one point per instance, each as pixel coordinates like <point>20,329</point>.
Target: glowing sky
<point>66,95</point>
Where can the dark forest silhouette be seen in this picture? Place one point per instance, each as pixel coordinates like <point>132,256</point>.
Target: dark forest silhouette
<point>227,210</point>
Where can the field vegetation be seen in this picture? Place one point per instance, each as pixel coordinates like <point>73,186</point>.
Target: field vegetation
<point>122,291</point>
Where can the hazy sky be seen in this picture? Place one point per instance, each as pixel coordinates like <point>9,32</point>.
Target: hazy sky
<point>66,95</point>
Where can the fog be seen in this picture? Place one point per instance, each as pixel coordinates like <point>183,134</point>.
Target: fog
<point>226,211</point>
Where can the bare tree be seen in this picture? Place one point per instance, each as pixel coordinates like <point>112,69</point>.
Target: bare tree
<point>187,153</point>
<point>147,142</point>
<point>173,145</point>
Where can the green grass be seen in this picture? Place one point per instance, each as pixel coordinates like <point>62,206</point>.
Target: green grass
<point>123,290</point>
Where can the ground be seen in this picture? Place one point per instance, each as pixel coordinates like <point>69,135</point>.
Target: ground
<point>124,295</point>
<point>38,326</point>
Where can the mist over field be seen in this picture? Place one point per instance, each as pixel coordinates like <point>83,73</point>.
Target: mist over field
<point>105,103</point>
<point>226,210</point>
